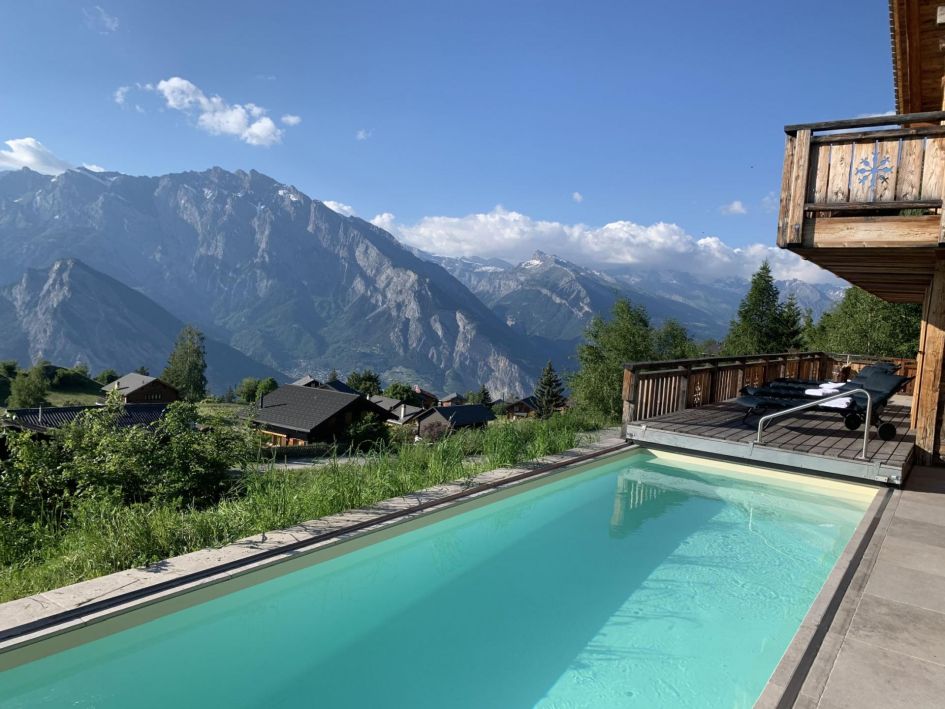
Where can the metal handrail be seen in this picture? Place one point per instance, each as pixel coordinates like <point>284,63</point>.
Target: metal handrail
<point>817,402</point>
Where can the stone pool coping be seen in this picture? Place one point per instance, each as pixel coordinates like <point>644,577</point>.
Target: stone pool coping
<point>803,670</point>
<point>31,619</point>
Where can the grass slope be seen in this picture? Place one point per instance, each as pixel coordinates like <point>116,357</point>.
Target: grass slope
<point>105,537</point>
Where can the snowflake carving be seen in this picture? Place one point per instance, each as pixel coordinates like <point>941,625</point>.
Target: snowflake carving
<point>871,169</point>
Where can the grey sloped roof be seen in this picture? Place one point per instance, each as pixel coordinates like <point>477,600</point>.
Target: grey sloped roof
<point>451,396</point>
<point>303,408</point>
<point>339,386</point>
<point>306,381</point>
<point>463,415</point>
<point>395,406</point>
<point>530,401</point>
<point>387,403</point>
<point>129,383</point>
<point>47,417</point>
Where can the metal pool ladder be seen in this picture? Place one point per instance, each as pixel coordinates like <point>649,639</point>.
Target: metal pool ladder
<point>817,402</point>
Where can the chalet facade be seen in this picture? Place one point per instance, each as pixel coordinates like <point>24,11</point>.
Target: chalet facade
<point>298,415</point>
<point>445,419</point>
<point>142,389</point>
<point>453,399</point>
<point>526,407</point>
<point>426,398</point>
<point>862,198</point>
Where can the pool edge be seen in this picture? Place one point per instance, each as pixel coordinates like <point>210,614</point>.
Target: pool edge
<point>44,616</point>
<point>814,645</point>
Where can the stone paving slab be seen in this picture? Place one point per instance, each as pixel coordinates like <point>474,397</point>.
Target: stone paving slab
<point>73,598</point>
<point>886,645</point>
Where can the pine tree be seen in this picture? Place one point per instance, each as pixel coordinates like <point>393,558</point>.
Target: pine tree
<point>671,341</point>
<point>484,396</point>
<point>791,325</point>
<point>758,327</point>
<point>332,376</point>
<point>549,393</point>
<point>186,368</point>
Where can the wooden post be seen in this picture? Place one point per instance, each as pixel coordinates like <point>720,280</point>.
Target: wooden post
<point>786,173</point>
<point>917,383</point>
<point>927,412</point>
<point>683,400</point>
<point>629,400</point>
<point>798,194</point>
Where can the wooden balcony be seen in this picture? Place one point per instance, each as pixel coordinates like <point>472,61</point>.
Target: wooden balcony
<point>685,405</point>
<point>865,202</point>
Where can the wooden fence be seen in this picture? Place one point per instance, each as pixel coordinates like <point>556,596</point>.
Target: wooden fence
<point>657,388</point>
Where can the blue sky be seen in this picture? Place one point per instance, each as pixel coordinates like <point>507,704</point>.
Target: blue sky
<point>427,115</point>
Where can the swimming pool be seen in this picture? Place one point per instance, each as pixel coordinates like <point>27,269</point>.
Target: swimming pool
<point>636,581</point>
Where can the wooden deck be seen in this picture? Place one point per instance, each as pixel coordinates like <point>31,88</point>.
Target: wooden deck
<point>814,441</point>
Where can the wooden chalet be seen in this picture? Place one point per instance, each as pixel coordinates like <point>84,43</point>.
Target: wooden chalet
<point>445,419</point>
<point>453,399</point>
<point>402,412</point>
<point>427,399</point>
<point>138,388</point>
<point>862,198</point>
<point>523,408</point>
<point>298,415</point>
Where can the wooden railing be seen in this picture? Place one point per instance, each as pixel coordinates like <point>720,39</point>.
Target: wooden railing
<point>657,388</point>
<point>890,178</point>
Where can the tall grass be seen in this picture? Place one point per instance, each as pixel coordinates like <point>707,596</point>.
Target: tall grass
<point>103,536</point>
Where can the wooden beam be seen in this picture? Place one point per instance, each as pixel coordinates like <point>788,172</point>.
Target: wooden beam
<point>853,136</point>
<point>797,195</point>
<point>917,385</point>
<point>787,170</point>
<point>928,411</point>
<point>871,232</point>
<point>873,206</point>
<point>868,122</point>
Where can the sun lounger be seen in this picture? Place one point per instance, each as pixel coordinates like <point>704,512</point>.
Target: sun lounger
<point>880,385</point>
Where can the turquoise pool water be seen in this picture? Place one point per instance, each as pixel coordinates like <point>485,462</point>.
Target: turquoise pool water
<point>636,583</point>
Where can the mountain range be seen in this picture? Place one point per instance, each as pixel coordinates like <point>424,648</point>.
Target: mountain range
<point>105,268</point>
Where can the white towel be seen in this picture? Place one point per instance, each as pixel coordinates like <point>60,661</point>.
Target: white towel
<point>832,385</point>
<point>817,392</point>
<point>837,403</point>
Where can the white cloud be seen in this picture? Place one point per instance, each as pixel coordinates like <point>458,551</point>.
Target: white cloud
<point>770,202</point>
<point>577,197</point>
<point>97,19</point>
<point>29,152</point>
<point>386,221</point>
<point>93,167</point>
<point>515,236</point>
<point>363,134</point>
<point>735,207</point>
<point>248,122</point>
<point>121,93</point>
<point>339,207</point>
